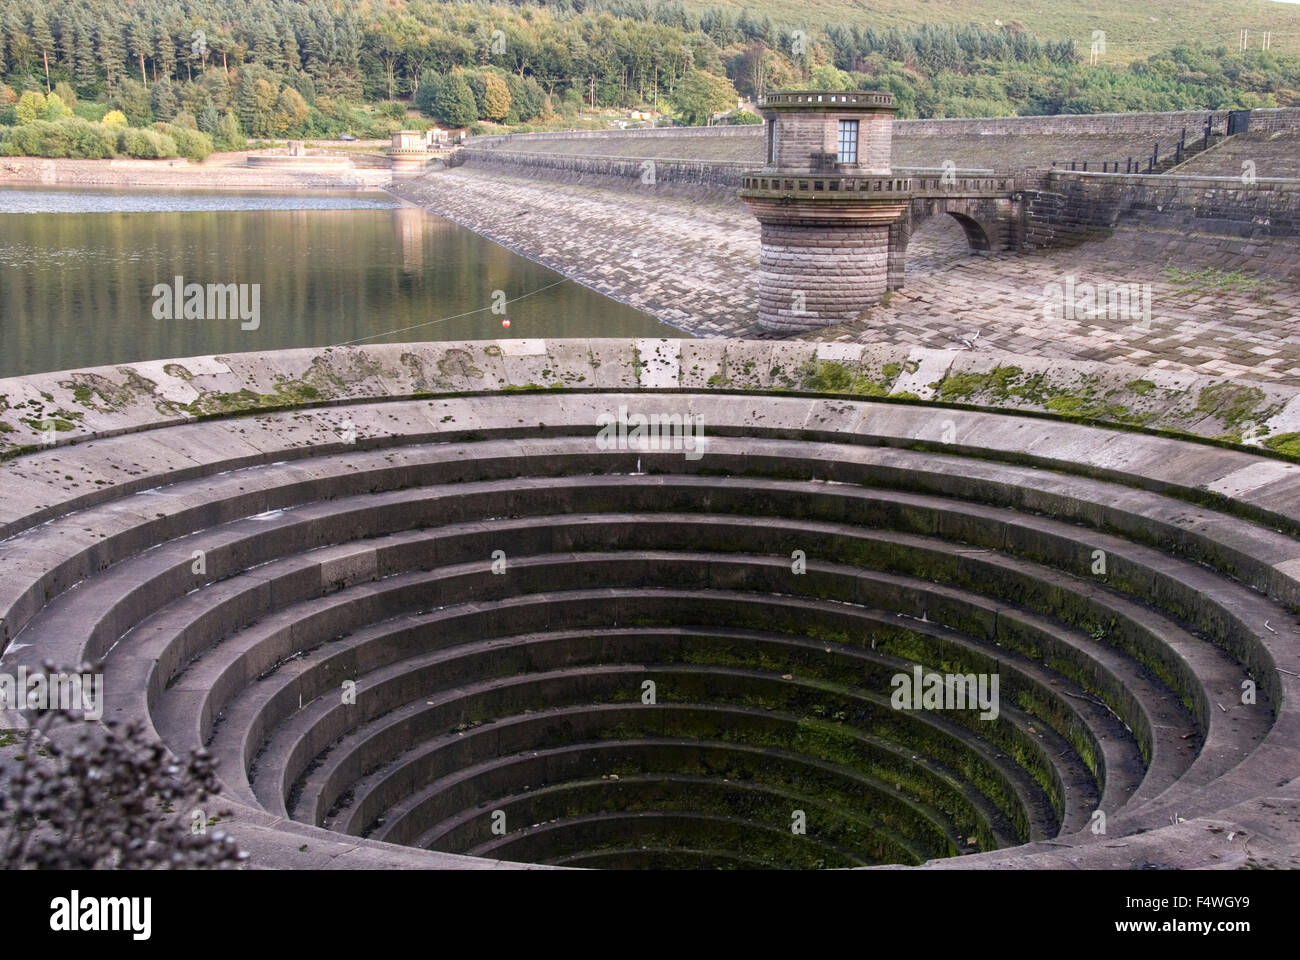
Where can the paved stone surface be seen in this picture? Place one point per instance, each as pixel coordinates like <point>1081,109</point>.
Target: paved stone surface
<point>689,263</point>
<point>1264,154</point>
<point>1212,311</point>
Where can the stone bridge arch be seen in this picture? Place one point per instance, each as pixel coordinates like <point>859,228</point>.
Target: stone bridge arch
<point>988,223</point>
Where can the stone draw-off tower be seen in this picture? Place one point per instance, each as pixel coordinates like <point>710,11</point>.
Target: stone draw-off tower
<point>828,203</point>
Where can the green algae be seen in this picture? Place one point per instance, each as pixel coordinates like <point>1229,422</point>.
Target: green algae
<point>286,393</point>
<point>826,376</point>
<point>1284,443</point>
<point>1233,404</point>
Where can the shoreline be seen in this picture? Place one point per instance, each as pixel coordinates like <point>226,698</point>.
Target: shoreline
<point>219,172</point>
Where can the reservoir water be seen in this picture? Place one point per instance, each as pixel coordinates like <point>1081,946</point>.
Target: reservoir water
<point>80,272</point>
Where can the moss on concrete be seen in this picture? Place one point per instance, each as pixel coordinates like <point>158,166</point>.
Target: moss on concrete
<point>827,376</point>
<point>1233,404</point>
<point>1009,385</point>
<point>1284,443</point>
<point>286,393</point>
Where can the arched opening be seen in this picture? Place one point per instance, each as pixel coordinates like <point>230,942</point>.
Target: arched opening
<point>976,236</point>
<point>938,242</point>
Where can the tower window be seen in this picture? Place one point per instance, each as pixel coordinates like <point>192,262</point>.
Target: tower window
<point>848,145</point>
<point>771,141</point>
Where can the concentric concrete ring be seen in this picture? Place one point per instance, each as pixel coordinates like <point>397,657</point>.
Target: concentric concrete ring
<point>427,612</point>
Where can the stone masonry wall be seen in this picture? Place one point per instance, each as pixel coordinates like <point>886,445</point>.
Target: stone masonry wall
<point>1279,118</point>
<point>630,171</point>
<point>1275,118</point>
<point>1269,119</point>
<point>801,141</point>
<point>812,277</point>
<point>703,177</point>
<point>803,136</point>
<point>751,131</point>
<point>1063,208</point>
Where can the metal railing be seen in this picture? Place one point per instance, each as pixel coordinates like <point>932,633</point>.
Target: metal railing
<point>1152,160</point>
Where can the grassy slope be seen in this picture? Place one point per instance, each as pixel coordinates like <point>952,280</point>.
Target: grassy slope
<point>1134,28</point>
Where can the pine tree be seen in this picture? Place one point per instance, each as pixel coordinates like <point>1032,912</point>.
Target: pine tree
<point>111,50</point>
<point>22,56</point>
<point>217,85</point>
<point>85,69</point>
<point>163,100</point>
<point>455,103</point>
<point>266,49</point>
<point>289,45</point>
<point>426,97</point>
<point>141,46</point>
<point>164,51</point>
<point>43,39</point>
<point>208,119</point>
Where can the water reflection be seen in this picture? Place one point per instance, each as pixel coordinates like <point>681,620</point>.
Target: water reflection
<point>76,288</point>
<point>410,223</point>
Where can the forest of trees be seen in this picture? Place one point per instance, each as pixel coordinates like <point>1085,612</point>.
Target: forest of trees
<point>230,69</point>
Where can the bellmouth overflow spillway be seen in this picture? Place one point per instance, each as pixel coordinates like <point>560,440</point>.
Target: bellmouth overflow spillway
<point>446,604</point>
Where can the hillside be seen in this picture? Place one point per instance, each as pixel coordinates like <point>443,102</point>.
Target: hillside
<point>1133,30</point>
